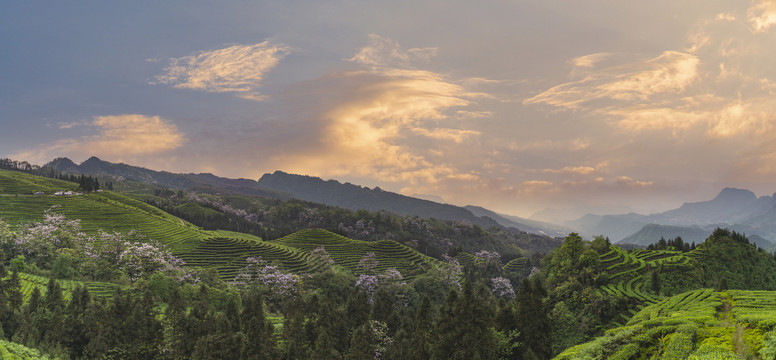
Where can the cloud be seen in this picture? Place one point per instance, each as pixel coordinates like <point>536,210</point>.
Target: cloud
<point>575,144</point>
<point>118,137</point>
<point>69,125</point>
<point>762,15</point>
<point>639,118</point>
<point>386,121</point>
<point>669,73</point>
<point>238,69</point>
<point>358,127</point>
<point>455,135</point>
<point>383,51</point>
<point>580,170</point>
<point>589,60</point>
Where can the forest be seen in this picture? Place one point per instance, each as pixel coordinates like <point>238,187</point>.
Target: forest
<point>105,275</point>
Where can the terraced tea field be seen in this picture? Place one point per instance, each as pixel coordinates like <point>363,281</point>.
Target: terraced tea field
<point>30,282</point>
<point>699,324</point>
<point>107,211</point>
<point>348,252</point>
<point>110,211</point>
<point>227,252</point>
<point>516,265</point>
<point>14,182</point>
<point>626,269</point>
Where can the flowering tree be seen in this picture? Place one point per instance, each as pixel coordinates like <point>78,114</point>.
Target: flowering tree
<point>140,259</point>
<point>40,241</point>
<point>320,257</point>
<point>310,218</point>
<point>278,286</point>
<point>502,287</point>
<point>225,208</point>
<point>360,230</point>
<point>449,272</point>
<point>369,283</point>
<point>368,263</point>
<point>489,257</point>
<point>134,255</point>
<point>379,332</point>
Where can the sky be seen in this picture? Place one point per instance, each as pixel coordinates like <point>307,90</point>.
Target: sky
<point>518,106</point>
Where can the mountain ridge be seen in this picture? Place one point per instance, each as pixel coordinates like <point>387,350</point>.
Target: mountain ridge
<point>283,186</point>
<point>738,209</point>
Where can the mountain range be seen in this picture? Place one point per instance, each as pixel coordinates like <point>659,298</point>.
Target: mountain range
<point>284,186</point>
<point>737,209</point>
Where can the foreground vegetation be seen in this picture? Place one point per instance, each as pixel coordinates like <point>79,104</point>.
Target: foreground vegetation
<point>113,276</point>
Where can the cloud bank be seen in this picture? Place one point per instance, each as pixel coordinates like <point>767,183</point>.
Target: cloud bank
<point>118,138</point>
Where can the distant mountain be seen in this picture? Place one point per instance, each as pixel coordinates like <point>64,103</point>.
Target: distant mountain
<point>651,233</point>
<point>738,209</point>
<point>197,182</point>
<point>347,195</point>
<point>730,206</point>
<point>527,225</point>
<point>284,186</point>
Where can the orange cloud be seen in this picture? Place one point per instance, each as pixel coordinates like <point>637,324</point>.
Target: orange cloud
<point>119,137</point>
<point>762,15</point>
<point>669,73</point>
<point>581,170</point>
<point>236,69</point>
<point>367,123</point>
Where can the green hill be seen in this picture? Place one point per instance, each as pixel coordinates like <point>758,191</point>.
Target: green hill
<point>224,250</point>
<point>699,324</point>
<point>106,211</point>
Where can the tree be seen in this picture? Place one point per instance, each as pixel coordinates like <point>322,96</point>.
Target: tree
<point>654,282</point>
<point>420,345</point>
<point>533,320</point>
<point>295,343</point>
<point>76,329</point>
<point>464,326</point>
<point>600,244</point>
<point>256,328</point>
<point>174,326</point>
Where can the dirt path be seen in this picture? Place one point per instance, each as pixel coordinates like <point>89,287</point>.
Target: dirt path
<point>741,348</point>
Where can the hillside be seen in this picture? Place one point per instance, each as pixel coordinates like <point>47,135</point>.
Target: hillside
<point>224,250</point>
<point>522,224</point>
<point>699,324</point>
<point>650,233</point>
<point>198,182</point>
<point>283,186</point>
<point>106,211</point>
<point>736,209</point>
<point>355,197</point>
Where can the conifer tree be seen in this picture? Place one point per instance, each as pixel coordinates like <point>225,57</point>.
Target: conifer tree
<point>256,328</point>
<point>420,345</point>
<point>174,326</point>
<point>77,336</point>
<point>533,320</point>
<point>295,344</point>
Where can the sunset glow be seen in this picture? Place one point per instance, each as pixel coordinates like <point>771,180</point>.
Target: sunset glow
<point>515,106</point>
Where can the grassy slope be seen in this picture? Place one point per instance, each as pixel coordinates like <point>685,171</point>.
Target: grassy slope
<point>699,324</point>
<point>625,270</point>
<point>30,282</point>
<point>225,250</point>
